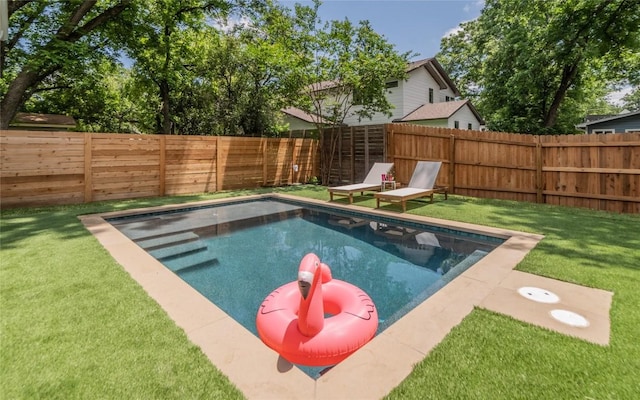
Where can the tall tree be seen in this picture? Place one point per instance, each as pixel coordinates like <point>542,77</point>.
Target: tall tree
<point>529,64</point>
<point>46,38</point>
<point>346,75</point>
<point>258,68</point>
<point>160,49</point>
<point>101,97</point>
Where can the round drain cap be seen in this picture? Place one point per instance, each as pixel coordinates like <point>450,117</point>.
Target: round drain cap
<point>570,318</point>
<point>539,295</point>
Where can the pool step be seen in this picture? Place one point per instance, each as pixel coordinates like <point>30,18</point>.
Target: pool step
<point>199,261</point>
<point>178,250</point>
<point>161,241</point>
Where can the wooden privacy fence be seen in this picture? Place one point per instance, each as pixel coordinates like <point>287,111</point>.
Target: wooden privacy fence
<point>49,168</point>
<point>356,149</point>
<point>592,171</point>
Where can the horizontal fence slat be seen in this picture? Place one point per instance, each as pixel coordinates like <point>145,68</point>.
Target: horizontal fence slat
<point>603,170</point>
<point>41,168</point>
<point>593,170</point>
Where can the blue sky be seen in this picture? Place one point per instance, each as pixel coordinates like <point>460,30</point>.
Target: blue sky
<point>411,25</point>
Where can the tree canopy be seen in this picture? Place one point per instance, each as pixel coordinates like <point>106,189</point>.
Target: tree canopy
<point>51,41</point>
<point>536,66</point>
<point>192,66</point>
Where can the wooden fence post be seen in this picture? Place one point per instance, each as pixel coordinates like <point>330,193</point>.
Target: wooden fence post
<point>366,147</point>
<point>88,173</point>
<point>292,149</point>
<point>162,166</point>
<point>539,198</point>
<point>218,164</point>
<point>452,163</point>
<point>265,144</point>
<point>352,154</point>
<point>390,157</point>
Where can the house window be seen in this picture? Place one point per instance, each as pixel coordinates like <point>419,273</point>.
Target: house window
<point>430,95</point>
<point>469,126</point>
<point>391,84</point>
<point>447,98</point>
<point>597,131</point>
<point>456,124</point>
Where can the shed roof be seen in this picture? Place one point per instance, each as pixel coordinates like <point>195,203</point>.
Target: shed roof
<point>34,120</point>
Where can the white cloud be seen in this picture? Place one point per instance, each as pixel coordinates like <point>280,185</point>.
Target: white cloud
<point>615,98</point>
<point>473,6</point>
<point>452,31</point>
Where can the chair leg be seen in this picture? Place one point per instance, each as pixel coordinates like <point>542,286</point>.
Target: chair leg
<point>330,196</point>
<point>350,198</point>
<point>404,206</point>
<point>377,202</point>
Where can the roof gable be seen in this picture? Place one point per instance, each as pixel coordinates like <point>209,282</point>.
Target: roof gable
<point>442,110</point>
<point>435,69</point>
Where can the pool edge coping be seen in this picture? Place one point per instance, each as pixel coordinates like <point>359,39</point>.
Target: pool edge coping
<point>256,370</point>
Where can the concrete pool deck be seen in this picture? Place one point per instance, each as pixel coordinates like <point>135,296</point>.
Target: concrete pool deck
<point>384,362</point>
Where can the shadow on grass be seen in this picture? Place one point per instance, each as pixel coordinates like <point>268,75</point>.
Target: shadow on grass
<point>19,224</point>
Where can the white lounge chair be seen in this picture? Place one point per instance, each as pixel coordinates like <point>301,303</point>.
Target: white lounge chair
<point>371,182</point>
<point>421,185</point>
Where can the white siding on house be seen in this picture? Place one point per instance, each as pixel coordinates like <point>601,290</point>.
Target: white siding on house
<point>394,96</point>
<point>446,93</point>
<point>416,91</point>
<point>408,96</point>
<point>464,116</point>
<point>296,124</point>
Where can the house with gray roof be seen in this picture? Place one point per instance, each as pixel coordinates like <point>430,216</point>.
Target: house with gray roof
<point>426,97</point>
<point>621,123</point>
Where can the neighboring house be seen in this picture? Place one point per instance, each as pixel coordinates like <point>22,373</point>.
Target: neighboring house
<point>43,122</point>
<point>299,120</point>
<point>422,98</point>
<point>426,97</point>
<point>621,123</point>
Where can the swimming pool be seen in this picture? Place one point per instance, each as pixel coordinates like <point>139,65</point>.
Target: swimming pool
<point>256,369</point>
<point>235,254</point>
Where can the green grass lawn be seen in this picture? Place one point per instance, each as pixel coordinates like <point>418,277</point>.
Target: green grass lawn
<point>74,325</point>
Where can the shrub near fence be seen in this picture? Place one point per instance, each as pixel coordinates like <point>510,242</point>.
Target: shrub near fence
<point>50,168</point>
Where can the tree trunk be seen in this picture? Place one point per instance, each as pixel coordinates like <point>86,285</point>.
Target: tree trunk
<point>166,110</point>
<point>568,75</point>
<point>15,96</point>
<point>328,151</point>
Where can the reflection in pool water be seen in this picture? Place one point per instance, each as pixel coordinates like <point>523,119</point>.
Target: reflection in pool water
<point>236,254</point>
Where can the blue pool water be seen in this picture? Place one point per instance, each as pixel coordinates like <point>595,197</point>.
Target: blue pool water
<point>236,254</point>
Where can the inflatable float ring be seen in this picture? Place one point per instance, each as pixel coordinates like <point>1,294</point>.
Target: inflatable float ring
<point>291,319</point>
